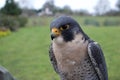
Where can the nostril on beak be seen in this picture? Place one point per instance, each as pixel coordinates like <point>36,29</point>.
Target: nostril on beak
<point>54,33</point>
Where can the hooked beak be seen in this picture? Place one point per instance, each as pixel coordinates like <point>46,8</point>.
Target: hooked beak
<point>55,33</point>
<point>53,36</point>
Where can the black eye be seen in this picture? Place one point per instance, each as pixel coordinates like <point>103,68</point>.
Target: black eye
<point>64,27</point>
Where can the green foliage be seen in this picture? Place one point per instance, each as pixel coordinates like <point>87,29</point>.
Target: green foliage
<point>11,8</point>
<point>4,32</point>
<point>9,22</point>
<point>9,16</point>
<point>91,22</point>
<point>22,21</point>
<point>111,23</point>
<point>25,53</point>
<point>12,22</point>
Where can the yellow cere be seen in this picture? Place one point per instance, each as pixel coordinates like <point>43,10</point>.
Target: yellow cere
<point>56,31</point>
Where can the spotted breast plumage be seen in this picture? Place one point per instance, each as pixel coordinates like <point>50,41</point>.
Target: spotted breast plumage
<point>73,54</point>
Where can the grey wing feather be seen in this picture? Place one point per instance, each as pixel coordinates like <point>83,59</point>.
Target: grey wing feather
<point>53,59</point>
<point>96,55</point>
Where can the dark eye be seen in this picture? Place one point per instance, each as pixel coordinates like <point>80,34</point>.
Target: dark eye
<point>64,27</point>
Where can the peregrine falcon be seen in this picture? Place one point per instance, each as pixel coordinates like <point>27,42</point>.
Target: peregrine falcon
<point>73,54</point>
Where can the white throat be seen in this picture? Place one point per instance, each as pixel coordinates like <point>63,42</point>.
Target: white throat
<point>59,40</point>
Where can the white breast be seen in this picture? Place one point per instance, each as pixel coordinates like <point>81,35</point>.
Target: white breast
<point>69,54</point>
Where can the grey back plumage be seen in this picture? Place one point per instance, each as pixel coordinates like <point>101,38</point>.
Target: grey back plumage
<point>97,58</point>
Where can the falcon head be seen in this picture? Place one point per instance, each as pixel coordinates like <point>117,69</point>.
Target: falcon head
<point>65,28</point>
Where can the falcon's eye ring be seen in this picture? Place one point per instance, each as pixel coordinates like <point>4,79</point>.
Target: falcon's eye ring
<point>65,27</point>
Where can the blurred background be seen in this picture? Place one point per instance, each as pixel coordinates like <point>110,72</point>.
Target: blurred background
<point>25,34</point>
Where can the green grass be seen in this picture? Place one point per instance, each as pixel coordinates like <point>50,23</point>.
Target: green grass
<point>25,52</point>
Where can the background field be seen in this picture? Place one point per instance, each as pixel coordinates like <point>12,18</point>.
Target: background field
<point>25,52</point>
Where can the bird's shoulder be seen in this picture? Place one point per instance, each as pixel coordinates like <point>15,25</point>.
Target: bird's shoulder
<point>97,58</point>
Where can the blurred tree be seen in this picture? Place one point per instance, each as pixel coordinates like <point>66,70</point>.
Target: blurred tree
<point>29,12</point>
<point>67,9</point>
<point>10,18</point>
<point>11,8</point>
<point>82,12</point>
<point>112,12</point>
<point>49,4</point>
<point>118,5</point>
<point>102,7</point>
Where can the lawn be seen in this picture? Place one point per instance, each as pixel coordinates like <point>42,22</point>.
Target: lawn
<point>25,52</point>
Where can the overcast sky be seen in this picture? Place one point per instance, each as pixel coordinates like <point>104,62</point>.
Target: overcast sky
<point>74,4</point>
